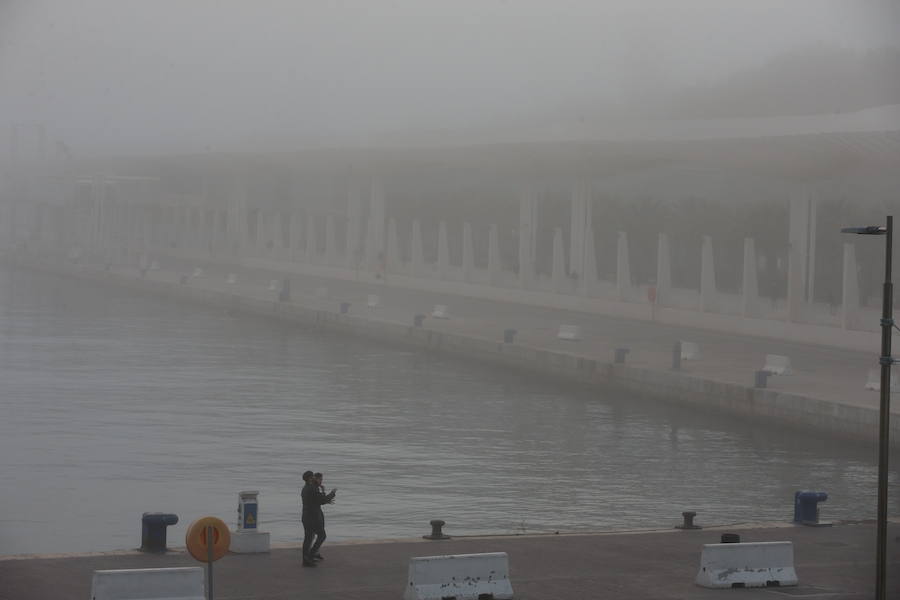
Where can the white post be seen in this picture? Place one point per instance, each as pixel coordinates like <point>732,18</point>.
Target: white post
<point>528,203</point>
<point>663,270</point>
<point>750,288</point>
<point>494,255</point>
<point>580,222</point>
<point>311,242</point>
<point>375,233</point>
<point>417,262</point>
<point>330,242</point>
<point>468,260</point>
<point>707,276</point>
<point>296,229</point>
<point>587,281</point>
<point>623,269</point>
<point>354,226</point>
<point>393,255</point>
<point>850,287</point>
<point>558,273</point>
<point>443,251</point>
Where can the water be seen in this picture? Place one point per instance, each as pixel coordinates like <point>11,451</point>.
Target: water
<point>114,404</point>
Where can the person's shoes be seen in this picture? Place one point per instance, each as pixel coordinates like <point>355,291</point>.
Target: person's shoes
<point>309,562</point>
<point>318,556</point>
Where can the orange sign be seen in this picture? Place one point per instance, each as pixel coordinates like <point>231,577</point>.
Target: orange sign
<point>198,544</point>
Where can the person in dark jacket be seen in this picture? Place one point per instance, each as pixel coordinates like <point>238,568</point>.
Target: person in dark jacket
<point>312,501</point>
<point>320,532</point>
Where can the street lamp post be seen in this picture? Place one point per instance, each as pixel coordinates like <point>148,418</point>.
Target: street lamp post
<point>884,430</point>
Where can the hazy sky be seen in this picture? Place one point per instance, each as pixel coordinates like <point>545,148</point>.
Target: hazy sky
<point>183,75</point>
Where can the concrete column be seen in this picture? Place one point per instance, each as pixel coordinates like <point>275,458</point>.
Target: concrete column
<point>623,269</point>
<point>330,242</point>
<point>801,252</point>
<point>468,253</point>
<point>707,276</point>
<point>394,263</point>
<point>663,270</point>
<point>850,288</point>
<point>558,273</point>
<point>494,255</point>
<point>528,223</point>
<point>750,288</point>
<point>311,242</point>
<point>443,251</point>
<point>375,232</point>
<point>587,281</point>
<point>417,260</point>
<point>355,246</point>
<point>580,223</point>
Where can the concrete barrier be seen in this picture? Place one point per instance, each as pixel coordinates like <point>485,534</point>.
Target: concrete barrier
<point>873,380</point>
<point>690,350</point>
<point>459,576</point>
<point>183,583</point>
<point>440,312</point>
<point>569,332</point>
<point>372,301</point>
<point>777,365</point>
<point>754,564</point>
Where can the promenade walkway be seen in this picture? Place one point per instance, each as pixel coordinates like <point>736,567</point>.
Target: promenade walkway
<point>832,563</point>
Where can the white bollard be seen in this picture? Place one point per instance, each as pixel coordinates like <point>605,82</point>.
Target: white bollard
<point>440,312</point>
<point>569,332</point>
<point>198,272</point>
<point>231,279</point>
<point>372,301</point>
<point>459,576</point>
<point>755,564</point>
<point>777,364</point>
<point>247,538</point>
<point>273,285</point>
<point>181,583</point>
<point>873,381</point>
<point>690,350</point>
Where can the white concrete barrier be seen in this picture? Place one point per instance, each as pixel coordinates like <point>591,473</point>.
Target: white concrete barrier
<point>569,332</point>
<point>873,381</point>
<point>231,279</point>
<point>777,365</point>
<point>753,564</point>
<point>372,301</point>
<point>440,312</point>
<point>459,576</point>
<point>273,285</point>
<point>690,350</point>
<point>183,583</point>
<point>198,273</point>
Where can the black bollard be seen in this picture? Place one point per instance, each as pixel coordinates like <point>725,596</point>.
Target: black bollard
<point>153,531</point>
<point>760,379</point>
<point>676,355</point>
<point>620,354</point>
<point>345,308</point>
<point>436,533</point>
<point>509,336</point>
<point>688,517</point>
<point>417,320</point>
<point>730,538</point>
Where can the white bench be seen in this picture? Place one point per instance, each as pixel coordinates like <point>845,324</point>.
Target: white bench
<point>459,576</point>
<point>754,564</point>
<point>440,312</point>
<point>777,365</point>
<point>690,350</point>
<point>177,583</point>
<point>372,301</point>
<point>873,381</point>
<point>569,332</point>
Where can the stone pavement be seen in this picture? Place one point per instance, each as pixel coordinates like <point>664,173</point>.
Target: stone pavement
<point>831,562</point>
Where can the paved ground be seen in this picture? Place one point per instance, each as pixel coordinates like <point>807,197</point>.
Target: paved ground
<point>819,372</point>
<point>833,563</point>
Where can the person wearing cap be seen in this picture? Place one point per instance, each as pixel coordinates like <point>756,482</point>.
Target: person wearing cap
<point>312,502</point>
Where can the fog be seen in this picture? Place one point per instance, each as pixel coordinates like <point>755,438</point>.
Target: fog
<point>155,77</point>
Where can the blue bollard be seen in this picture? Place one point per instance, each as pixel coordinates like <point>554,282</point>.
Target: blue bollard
<point>806,509</point>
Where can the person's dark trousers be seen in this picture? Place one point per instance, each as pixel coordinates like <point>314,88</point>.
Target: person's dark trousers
<point>309,536</point>
<point>320,537</point>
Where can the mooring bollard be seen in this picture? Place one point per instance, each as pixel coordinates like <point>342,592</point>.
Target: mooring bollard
<point>688,517</point>
<point>509,336</point>
<point>676,355</point>
<point>761,379</point>
<point>620,354</point>
<point>345,308</point>
<point>806,508</point>
<point>730,538</point>
<point>417,320</point>
<point>153,530</point>
<point>436,533</point>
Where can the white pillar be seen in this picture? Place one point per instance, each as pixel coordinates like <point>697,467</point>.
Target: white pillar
<point>750,288</point>
<point>801,251</point>
<point>375,232</point>
<point>707,276</point>
<point>311,242</point>
<point>623,269</point>
<point>558,273</point>
<point>394,263</point>
<point>443,251</point>
<point>296,231</point>
<point>354,248</point>
<point>580,222</point>
<point>528,203</point>
<point>494,256</point>
<point>468,253</point>
<point>850,287</point>
<point>587,281</point>
<point>417,259</point>
<point>663,270</point>
<point>330,242</point>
